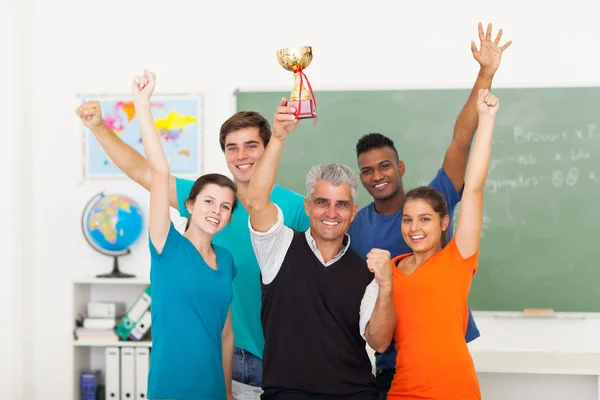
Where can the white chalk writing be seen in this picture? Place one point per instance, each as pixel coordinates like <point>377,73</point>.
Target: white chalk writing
<point>520,135</point>
<point>518,182</point>
<point>571,178</point>
<point>579,154</point>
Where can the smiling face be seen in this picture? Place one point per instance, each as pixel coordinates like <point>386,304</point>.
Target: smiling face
<point>331,210</point>
<point>212,209</point>
<point>381,172</point>
<point>422,226</point>
<point>243,149</point>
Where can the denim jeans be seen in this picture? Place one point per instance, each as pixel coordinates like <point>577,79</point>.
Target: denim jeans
<point>247,368</point>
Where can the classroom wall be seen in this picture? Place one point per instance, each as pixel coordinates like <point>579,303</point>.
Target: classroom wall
<point>211,47</point>
<point>13,149</point>
<point>8,256</point>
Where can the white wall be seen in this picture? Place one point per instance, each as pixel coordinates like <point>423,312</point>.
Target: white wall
<point>14,149</point>
<point>214,48</point>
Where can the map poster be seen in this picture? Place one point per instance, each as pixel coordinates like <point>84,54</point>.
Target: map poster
<point>178,120</point>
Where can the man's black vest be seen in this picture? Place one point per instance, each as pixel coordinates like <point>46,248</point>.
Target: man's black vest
<point>310,318</point>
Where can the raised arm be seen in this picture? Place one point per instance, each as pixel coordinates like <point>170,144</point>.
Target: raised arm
<point>468,229</point>
<point>160,219</point>
<point>263,213</point>
<point>125,157</point>
<point>488,56</point>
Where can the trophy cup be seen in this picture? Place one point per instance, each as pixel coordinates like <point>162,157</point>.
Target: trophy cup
<point>297,59</point>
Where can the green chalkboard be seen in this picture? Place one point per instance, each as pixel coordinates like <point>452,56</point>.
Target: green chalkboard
<point>542,203</point>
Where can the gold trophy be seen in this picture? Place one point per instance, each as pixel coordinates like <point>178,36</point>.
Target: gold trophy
<point>302,98</point>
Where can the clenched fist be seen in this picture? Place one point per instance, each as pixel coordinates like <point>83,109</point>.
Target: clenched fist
<point>378,261</point>
<point>90,114</point>
<point>142,87</point>
<point>487,104</point>
<point>284,121</point>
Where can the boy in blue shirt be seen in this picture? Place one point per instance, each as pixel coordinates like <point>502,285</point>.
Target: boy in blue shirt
<point>377,225</point>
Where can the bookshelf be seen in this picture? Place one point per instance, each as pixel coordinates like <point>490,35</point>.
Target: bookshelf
<point>89,355</point>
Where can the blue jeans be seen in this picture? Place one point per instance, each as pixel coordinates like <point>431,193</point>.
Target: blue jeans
<point>247,368</point>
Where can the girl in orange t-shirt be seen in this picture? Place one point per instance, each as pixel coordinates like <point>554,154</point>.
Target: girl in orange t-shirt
<point>431,285</point>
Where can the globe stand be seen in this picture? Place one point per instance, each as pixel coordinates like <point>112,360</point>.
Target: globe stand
<point>116,273</point>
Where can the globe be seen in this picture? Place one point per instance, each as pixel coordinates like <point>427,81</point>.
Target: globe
<point>111,224</point>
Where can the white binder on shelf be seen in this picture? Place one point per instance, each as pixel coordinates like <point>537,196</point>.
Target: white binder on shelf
<point>142,364</point>
<point>141,327</point>
<point>113,373</point>
<point>127,373</point>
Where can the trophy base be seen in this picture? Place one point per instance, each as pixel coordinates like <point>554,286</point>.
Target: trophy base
<point>307,108</point>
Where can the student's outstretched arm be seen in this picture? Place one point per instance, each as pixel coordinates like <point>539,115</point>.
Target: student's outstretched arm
<point>271,239</point>
<point>263,213</point>
<point>160,219</point>
<point>488,56</point>
<point>468,230</point>
<point>125,157</point>
<point>227,338</point>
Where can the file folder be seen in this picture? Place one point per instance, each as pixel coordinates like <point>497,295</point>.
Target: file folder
<point>142,364</point>
<point>113,373</point>
<point>134,314</point>
<point>127,373</point>
<point>141,327</point>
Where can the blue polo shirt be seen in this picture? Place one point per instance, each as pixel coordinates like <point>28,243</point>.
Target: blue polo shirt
<point>235,237</point>
<point>371,230</point>
<point>190,303</point>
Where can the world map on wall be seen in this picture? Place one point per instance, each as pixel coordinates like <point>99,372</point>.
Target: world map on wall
<point>176,120</point>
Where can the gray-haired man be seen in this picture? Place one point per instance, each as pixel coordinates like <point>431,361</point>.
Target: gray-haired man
<point>316,289</point>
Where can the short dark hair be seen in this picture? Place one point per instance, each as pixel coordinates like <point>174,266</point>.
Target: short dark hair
<point>202,182</point>
<point>245,119</point>
<point>372,141</point>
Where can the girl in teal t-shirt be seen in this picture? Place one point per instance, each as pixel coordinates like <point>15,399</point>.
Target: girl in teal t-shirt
<point>192,339</point>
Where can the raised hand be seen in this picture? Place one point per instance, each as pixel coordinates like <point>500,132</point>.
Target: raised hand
<point>489,53</point>
<point>487,104</point>
<point>284,121</point>
<point>90,114</point>
<point>142,87</point>
<point>378,262</point>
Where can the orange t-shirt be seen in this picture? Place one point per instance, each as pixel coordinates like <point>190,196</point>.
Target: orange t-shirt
<point>432,312</point>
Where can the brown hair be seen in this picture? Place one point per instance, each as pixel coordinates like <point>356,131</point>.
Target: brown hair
<point>435,200</point>
<point>202,182</point>
<point>245,119</point>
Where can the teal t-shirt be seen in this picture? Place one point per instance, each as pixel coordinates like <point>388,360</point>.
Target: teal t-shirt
<point>235,237</point>
<point>190,302</point>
